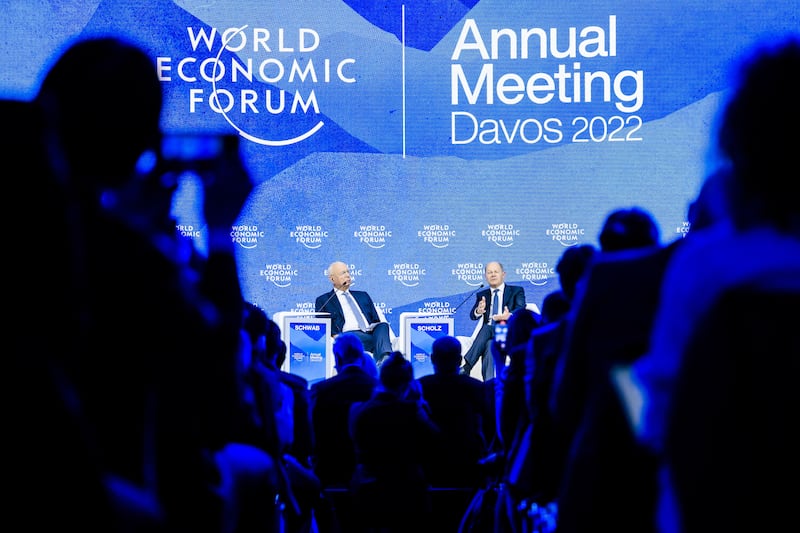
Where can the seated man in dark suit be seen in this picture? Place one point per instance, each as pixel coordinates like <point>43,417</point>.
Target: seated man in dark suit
<point>509,299</point>
<point>354,312</point>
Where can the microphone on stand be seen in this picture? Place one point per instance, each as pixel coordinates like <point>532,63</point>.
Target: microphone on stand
<point>470,295</point>
<point>346,286</point>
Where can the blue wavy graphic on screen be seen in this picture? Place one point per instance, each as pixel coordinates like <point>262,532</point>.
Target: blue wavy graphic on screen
<point>437,17</point>
<point>385,154</point>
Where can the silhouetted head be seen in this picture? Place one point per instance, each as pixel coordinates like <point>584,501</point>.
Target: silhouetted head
<point>264,333</point>
<point>396,373</point>
<point>347,350</point>
<point>572,265</point>
<point>274,344</point>
<point>628,228</point>
<point>759,135</point>
<point>446,354</point>
<point>280,354</point>
<point>254,320</point>
<point>104,98</point>
<point>711,203</point>
<point>555,306</point>
<point>521,324</point>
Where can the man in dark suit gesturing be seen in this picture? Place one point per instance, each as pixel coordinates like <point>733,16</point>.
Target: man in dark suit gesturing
<point>354,311</point>
<point>492,305</point>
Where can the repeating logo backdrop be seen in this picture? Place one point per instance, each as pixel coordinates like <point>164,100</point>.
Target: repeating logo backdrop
<point>418,140</point>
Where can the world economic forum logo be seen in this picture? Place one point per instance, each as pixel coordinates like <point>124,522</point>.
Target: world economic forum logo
<point>409,274</point>
<point>279,274</point>
<point>437,235</point>
<point>374,236</point>
<point>501,234</point>
<point>469,273</point>
<point>246,236</point>
<point>309,236</point>
<point>535,272</point>
<point>271,71</point>
<point>566,234</point>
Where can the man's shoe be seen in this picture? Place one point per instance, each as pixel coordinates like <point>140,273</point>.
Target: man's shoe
<point>465,370</point>
<point>382,359</point>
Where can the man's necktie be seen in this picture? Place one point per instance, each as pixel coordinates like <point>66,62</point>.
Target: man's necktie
<point>495,303</point>
<point>362,324</point>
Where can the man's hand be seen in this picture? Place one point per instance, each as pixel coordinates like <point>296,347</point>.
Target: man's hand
<point>505,315</point>
<point>481,308</point>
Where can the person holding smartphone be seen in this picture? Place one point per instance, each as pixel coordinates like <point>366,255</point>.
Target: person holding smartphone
<point>493,305</point>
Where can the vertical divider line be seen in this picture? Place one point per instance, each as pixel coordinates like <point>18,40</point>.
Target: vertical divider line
<point>403,63</point>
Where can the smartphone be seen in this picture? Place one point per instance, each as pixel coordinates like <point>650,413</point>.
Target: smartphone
<point>501,334</point>
<point>197,150</point>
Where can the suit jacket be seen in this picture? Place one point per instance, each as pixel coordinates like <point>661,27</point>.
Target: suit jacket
<point>513,298</point>
<point>329,303</point>
<point>331,398</point>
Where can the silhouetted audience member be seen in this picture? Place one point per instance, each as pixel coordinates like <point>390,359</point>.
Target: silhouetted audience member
<point>262,423</point>
<point>284,397</point>
<point>458,406</point>
<point>157,372</point>
<point>628,228</point>
<point>274,414</point>
<point>555,305</point>
<point>571,268</point>
<point>610,324</point>
<point>509,390</point>
<point>726,451</point>
<point>510,406</point>
<point>55,475</point>
<point>331,398</point>
<point>624,231</point>
<point>537,461</point>
<point>393,434</point>
<point>302,444</point>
